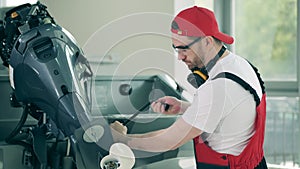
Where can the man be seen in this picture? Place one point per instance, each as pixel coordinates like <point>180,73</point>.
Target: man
<point>226,119</point>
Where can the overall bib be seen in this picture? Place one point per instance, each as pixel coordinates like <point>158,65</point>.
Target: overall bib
<point>253,155</point>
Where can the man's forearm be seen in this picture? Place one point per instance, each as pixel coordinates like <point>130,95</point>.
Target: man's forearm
<point>156,141</point>
<point>147,135</point>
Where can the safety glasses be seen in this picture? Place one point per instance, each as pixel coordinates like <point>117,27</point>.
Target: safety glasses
<point>177,48</point>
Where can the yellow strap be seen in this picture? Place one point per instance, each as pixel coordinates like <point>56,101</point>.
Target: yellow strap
<point>200,74</point>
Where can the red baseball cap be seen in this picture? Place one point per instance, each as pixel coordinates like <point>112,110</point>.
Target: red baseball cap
<point>197,22</point>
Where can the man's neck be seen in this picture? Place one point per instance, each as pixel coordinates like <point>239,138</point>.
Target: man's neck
<point>221,52</point>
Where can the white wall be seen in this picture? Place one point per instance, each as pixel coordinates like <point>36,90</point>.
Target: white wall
<point>133,34</point>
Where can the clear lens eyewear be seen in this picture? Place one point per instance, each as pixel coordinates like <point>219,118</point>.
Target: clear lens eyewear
<point>178,48</point>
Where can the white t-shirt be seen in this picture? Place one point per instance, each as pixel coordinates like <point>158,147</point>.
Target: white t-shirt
<point>223,109</point>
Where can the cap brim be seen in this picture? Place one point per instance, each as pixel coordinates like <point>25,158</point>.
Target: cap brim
<point>224,38</point>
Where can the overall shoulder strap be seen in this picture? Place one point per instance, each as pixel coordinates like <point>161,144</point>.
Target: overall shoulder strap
<point>240,81</point>
<point>244,84</point>
<point>259,78</point>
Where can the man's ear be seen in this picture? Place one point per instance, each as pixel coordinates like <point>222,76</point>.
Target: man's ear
<point>209,40</point>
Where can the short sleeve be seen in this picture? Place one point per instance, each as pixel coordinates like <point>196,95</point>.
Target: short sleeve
<point>208,106</point>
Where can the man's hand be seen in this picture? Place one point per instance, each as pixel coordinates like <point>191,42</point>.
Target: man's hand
<point>119,132</point>
<point>174,105</point>
<point>119,127</point>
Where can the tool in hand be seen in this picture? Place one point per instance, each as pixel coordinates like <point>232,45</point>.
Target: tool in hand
<point>167,106</point>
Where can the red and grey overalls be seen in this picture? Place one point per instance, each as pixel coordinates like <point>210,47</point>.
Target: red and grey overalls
<point>253,155</point>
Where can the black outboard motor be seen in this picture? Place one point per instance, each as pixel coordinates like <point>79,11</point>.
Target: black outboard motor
<point>44,62</point>
<point>49,70</point>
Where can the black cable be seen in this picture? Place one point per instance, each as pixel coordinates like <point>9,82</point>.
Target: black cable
<point>19,126</point>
